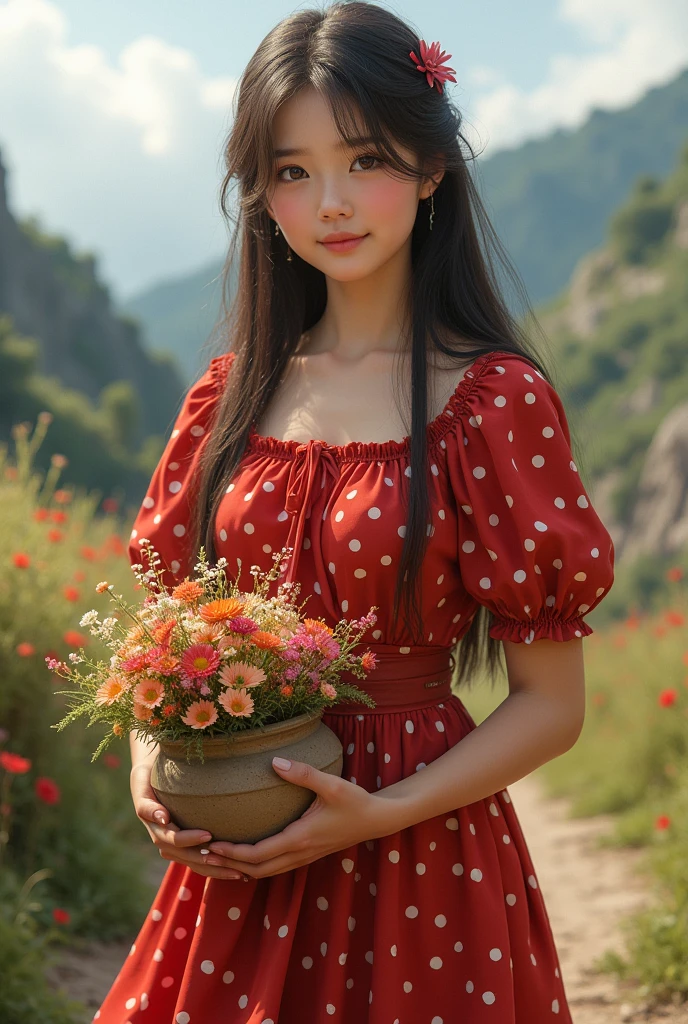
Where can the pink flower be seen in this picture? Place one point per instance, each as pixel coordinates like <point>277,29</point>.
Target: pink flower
<point>236,703</point>
<point>200,714</point>
<point>328,690</point>
<point>241,674</point>
<point>141,712</point>
<point>431,60</point>
<point>200,660</point>
<point>149,692</point>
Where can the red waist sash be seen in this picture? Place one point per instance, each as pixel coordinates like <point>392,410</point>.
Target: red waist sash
<point>420,678</point>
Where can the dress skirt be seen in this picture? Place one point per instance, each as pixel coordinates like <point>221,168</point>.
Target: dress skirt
<point>441,923</point>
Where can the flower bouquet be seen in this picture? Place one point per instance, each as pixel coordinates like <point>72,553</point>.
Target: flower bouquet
<point>220,679</point>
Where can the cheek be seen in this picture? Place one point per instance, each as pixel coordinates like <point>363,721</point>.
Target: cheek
<point>390,202</point>
<point>292,210</point>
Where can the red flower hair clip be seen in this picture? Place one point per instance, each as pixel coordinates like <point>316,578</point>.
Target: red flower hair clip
<point>431,63</point>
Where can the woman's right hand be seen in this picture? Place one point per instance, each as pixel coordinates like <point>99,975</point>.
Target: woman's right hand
<point>182,845</point>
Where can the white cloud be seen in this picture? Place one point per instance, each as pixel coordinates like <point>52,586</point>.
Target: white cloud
<point>126,158</point>
<point>637,44</point>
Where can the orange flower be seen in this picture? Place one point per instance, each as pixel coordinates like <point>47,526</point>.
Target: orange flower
<point>286,690</point>
<point>200,714</point>
<point>368,661</point>
<point>111,760</point>
<point>117,729</point>
<point>25,649</point>
<point>162,631</point>
<point>674,574</point>
<point>662,822</point>
<point>11,473</point>
<point>111,690</point>
<point>62,497</point>
<point>58,516</point>
<point>207,634</point>
<point>236,703</point>
<point>21,561</point>
<point>266,641</point>
<point>79,576</point>
<point>219,611</point>
<point>189,591</point>
<point>88,553</point>
<point>55,536</point>
<point>316,626</point>
<point>40,515</point>
<point>71,593</point>
<point>141,712</point>
<point>674,618</point>
<point>110,505</point>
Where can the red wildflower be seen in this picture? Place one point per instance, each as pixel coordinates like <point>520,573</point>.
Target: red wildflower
<point>55,536</point>
<point>89,553</point>
<point>11,472</point>
<point>674,574</point>
<point>40,515</point>
<point>286,690</point>
<point>111,760</point>
<point>71,593</point>
<point>74,639</point>
<point>662,822</point>
<point>169,710</point>
<point>599,700</point>
<point>79,576</point>
<point>21,561</point>
<point>62,497</point>
<point>110,505</point>
<point>25,649</point>
<point>15,764</point>
<point>667,698</point>
<point>58,516</point>
<point>674,618</point>
<point>61,916</point>
<point>47,790</point>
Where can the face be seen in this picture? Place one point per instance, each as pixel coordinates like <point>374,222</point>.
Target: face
<point>325,188</point>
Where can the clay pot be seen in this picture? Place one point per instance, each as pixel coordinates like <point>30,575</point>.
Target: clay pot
<point>235,793</point>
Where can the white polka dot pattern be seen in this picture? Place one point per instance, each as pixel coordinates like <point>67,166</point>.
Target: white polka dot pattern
<point>509,526</point>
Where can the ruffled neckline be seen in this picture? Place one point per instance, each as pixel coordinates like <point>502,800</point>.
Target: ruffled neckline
<point>360,451</point>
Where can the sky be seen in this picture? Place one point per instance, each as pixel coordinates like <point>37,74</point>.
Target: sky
<point>112,116</point>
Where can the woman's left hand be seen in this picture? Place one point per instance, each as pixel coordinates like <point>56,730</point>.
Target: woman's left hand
<point>341,815</point>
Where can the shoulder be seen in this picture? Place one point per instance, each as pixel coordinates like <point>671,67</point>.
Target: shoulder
<point>218,370</point>
<point>509,383</point>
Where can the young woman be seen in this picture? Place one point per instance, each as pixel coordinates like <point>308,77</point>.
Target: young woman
<point>406,893</point>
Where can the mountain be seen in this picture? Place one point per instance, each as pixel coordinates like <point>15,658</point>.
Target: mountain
<point>64,350</point>
<point>620,333</point>
<point>549,199</point>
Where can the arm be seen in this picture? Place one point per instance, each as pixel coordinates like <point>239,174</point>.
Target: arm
<point>540,719</point>
<point>141,752</point>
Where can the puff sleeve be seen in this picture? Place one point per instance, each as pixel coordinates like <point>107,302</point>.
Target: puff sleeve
<point>532,549</point>
<point>165,511</point>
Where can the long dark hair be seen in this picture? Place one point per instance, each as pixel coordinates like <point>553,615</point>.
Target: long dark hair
<point>346,51</point>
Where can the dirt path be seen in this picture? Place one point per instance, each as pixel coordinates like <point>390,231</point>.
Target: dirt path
<point>587,890</point>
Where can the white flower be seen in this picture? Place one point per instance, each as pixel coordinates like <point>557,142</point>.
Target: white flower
<point>89,618</point>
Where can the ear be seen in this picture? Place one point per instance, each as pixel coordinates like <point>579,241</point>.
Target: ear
<point>431,182</point>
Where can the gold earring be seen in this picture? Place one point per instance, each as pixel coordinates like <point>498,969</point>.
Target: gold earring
<point>432,208</point>
<point>276,228</point>
<point>289,256</point>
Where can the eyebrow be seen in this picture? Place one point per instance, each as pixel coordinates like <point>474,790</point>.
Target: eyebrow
<point>346,144</point>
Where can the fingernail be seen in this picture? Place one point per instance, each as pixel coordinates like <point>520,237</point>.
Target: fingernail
<point>218,861</point>
<point>206,837</point>
<point>159,816</point>
<point>281,762</point>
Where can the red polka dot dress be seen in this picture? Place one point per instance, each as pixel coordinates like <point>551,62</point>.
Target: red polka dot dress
<point>444,921</point>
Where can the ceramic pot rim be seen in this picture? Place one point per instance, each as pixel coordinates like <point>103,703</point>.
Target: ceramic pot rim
<point>272,736</point>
